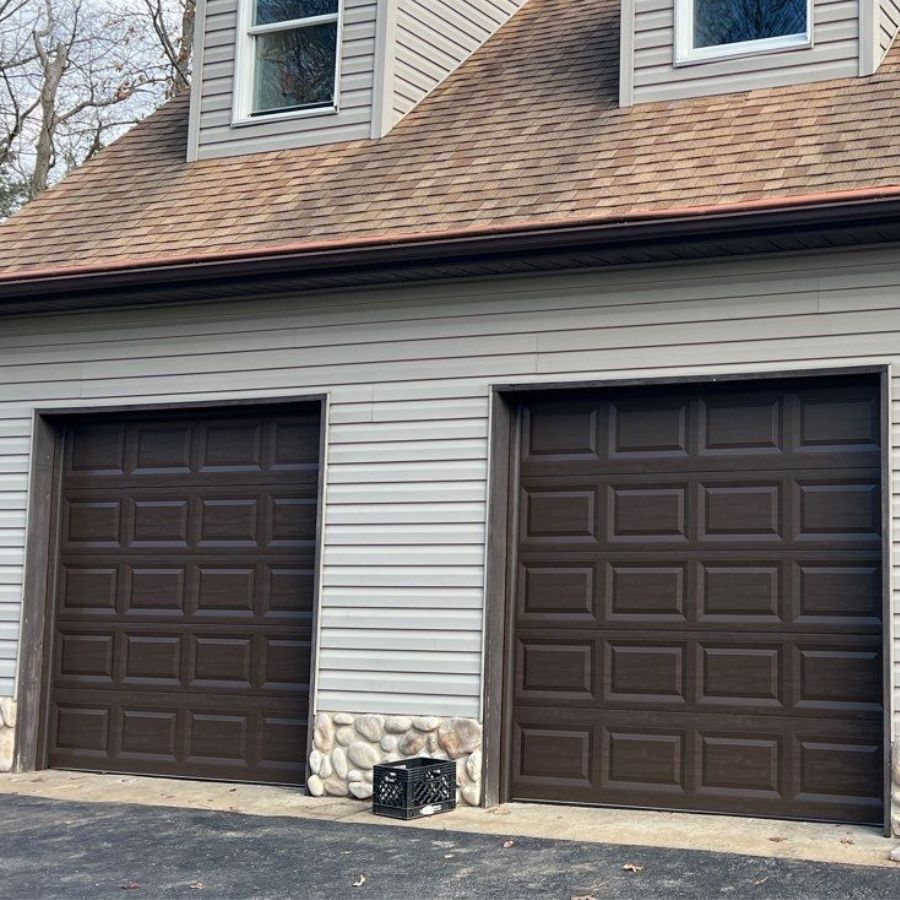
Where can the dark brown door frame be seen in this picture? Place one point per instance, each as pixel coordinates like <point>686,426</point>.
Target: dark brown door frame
<point>500,568</point>
<point>41,549</point>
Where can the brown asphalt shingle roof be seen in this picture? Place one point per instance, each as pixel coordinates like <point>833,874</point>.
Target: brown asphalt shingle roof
<point>529,128</point>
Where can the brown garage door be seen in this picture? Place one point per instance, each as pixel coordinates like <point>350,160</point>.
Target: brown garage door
<point>698,600</point>
<point>182,632</point>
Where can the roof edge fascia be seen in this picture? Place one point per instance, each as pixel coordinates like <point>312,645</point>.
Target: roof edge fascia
<point>555,233</point>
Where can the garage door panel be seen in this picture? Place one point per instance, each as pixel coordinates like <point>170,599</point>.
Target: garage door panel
<point>183,630</point>
<point>741,592</point>
<point>637,429</point>
<point>839,418</point>
<point>154,586</point>
<point>769,766</point>
<point>160,449</point>
<point>698,599</point>
<point>841,510</point>
<point>638,512</point>
<point>640,590</point>
<point>837,593</point>
<point>156,520</point>
<point>565,669</point>
<point>216,658</point>
<point>742,424</point>
<point>96,450</point>
<point>756,674</point>
<point>809,592</point>
<point>786,426</point>
<point>174,734</point>
<point>668,511</point>
<point>561,512</point>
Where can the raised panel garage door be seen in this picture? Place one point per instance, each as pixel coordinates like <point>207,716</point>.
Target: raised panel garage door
<point>698,600</point>
<point>182,632</point>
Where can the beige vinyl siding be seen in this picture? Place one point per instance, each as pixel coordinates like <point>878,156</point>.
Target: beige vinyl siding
<point>216,136</point>
<point>835,54</point>
<point>888,24</point>
<point>408,372</point>
<point>434,36</point>
<point>14,452</point>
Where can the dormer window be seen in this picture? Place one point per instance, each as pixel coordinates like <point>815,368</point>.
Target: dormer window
<point>288,58</point>
<point>716,29</point>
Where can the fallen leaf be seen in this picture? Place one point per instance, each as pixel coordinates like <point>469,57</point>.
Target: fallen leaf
<point>198,886</point>
<point>232,809</point>
<point>360,881</point>
<point>508,844</point>
<point>498,811</point>
<point>846,840</point>
<point>631,867</point>
<point>130,886</point>
<point>777,840</point>
<point>761,880</point>
<point>231,790</point>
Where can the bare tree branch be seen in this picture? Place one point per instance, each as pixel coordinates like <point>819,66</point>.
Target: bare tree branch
<point>75,74</point>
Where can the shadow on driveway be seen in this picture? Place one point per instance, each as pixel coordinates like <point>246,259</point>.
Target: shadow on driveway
<point>68,850</point>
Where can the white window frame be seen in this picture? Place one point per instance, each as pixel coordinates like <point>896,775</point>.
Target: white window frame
<point>245,58</point>
<point>687,54</point>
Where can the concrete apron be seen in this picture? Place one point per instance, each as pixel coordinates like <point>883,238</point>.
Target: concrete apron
<point>849,844</point>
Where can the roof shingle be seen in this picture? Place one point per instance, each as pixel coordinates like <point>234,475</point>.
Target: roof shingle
<point>529,128</point>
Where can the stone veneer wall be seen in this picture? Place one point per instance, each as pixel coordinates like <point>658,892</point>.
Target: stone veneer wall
<point>7,733</point>
<point>347,747</point>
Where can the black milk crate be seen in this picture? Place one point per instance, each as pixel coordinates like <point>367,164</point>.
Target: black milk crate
<point>414,788</point>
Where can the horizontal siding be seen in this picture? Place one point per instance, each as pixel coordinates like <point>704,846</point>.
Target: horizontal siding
<point>888,23</point>
<point>408,371</point>
<point>835,54</point>
<point>217,137</point>
<point>434,36</point>
<point>15,443</point>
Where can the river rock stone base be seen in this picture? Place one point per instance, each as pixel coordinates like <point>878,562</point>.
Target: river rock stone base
<point>347,746</point>
<point>7,733</point>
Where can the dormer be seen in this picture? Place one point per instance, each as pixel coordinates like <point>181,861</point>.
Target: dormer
<point>278,74</point>
<point>677,49</point>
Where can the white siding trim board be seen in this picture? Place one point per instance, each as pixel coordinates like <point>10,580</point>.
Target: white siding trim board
<point>385,69</point>
<point>197,78</point>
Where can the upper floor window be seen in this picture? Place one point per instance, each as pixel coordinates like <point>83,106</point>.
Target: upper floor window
<point>714,29</point>
<point>288,58</point>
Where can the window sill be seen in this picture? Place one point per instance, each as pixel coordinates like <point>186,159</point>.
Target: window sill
<point>742,51</point>
<point>262,118</point>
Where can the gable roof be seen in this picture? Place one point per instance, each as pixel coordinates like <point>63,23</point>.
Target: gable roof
<point>527,131</point>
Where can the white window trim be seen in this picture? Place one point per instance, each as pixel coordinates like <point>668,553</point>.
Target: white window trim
<point>242,93</point>
<point>686,54</point>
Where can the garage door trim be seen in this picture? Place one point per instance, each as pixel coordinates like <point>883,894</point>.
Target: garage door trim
<point>39,587</point>
<point>503,478</point>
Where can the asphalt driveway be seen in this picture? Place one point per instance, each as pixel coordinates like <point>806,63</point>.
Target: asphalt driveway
<point>59,849</point>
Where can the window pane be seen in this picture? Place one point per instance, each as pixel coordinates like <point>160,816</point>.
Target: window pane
<point>295,68</point>
<point>271,11</point>
<point>718,22</point>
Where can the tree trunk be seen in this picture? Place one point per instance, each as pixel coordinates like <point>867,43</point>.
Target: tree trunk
<point>53,66</point>
<point>181,77</point>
